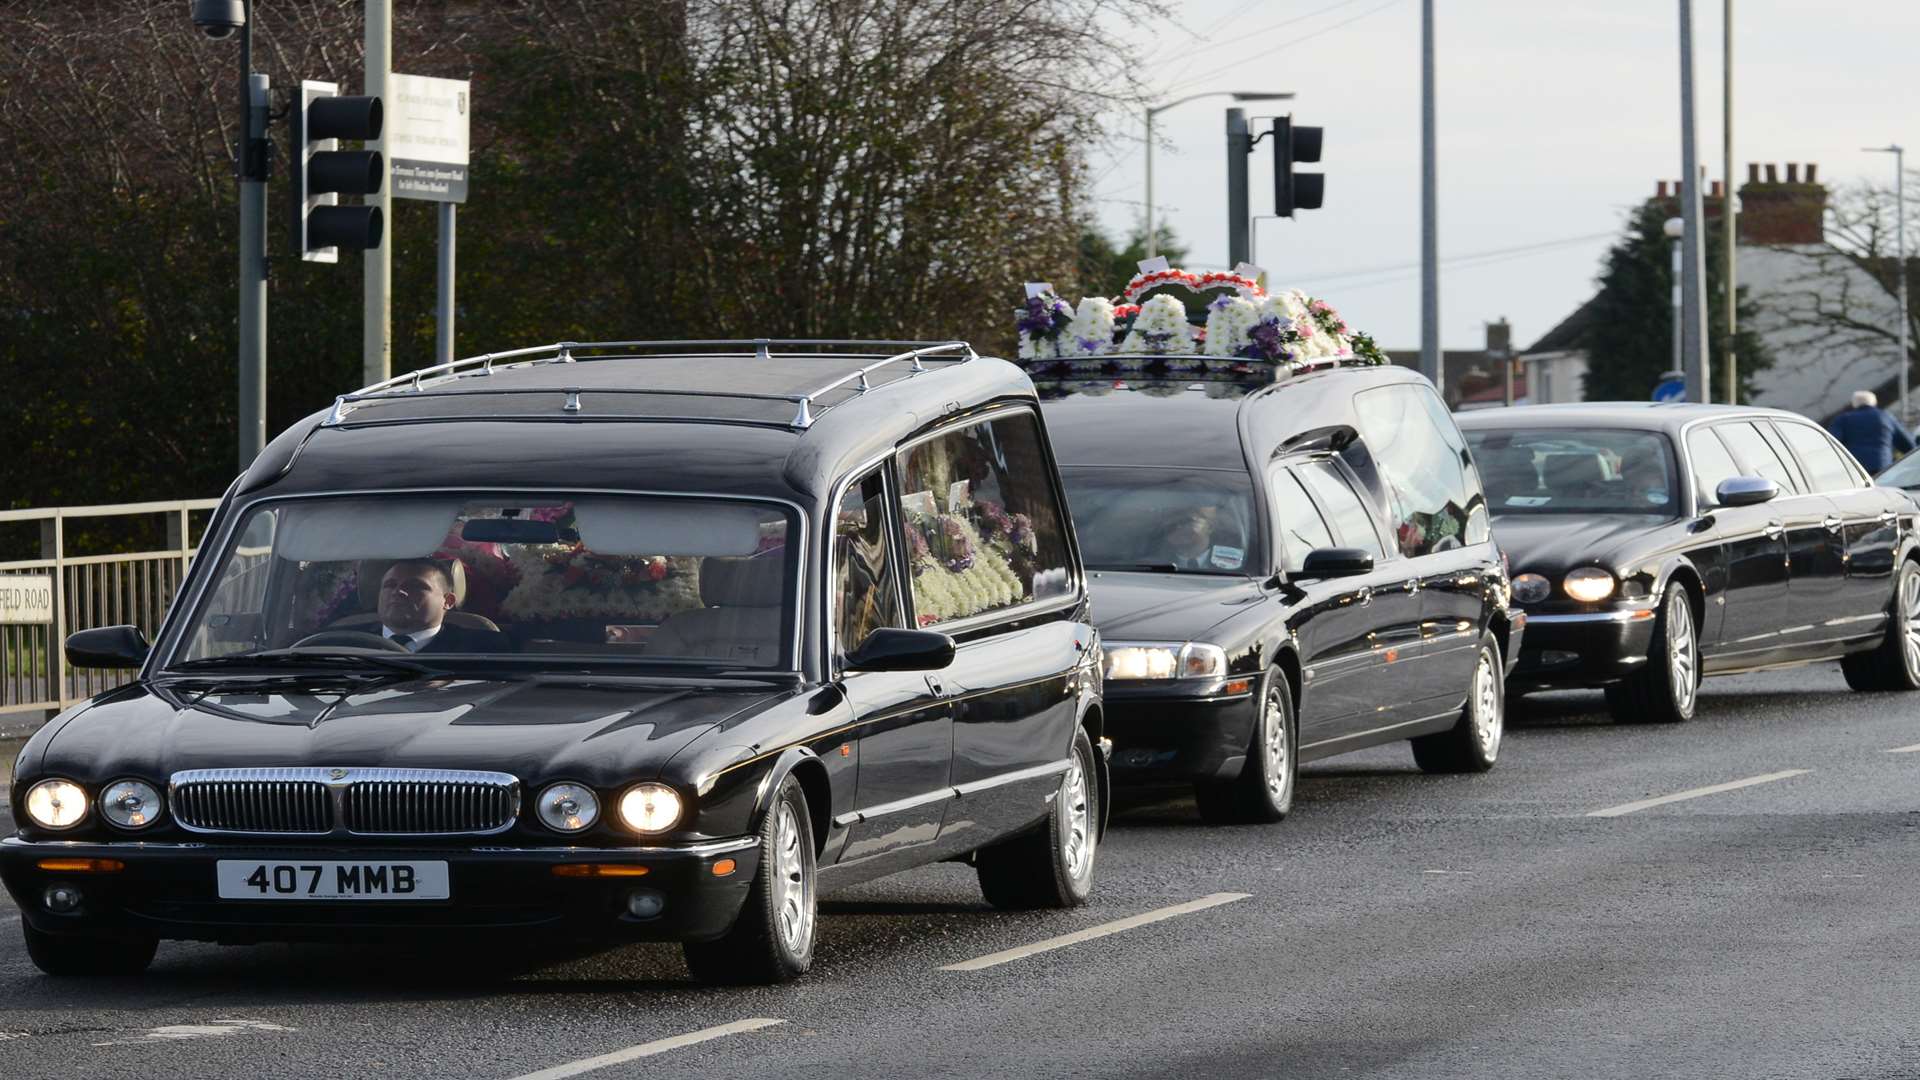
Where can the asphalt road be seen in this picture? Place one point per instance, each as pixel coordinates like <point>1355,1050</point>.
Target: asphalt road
<point>1397,925</point>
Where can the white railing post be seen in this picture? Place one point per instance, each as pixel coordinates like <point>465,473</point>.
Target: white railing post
<point>53,545</point>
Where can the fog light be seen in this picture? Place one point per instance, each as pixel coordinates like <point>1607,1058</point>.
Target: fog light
<point>60,899</point>
<point>645,903</point>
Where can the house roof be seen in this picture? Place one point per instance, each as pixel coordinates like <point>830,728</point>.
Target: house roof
<point>1570,333</point>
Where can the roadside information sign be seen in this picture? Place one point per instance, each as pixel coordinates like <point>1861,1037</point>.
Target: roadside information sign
<point>26,598</point>
<point>426,137</point>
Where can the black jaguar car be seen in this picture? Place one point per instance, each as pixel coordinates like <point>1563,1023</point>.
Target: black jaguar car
<point>1655,544</point>
<point>1284,566</point>
<point>597,645</point>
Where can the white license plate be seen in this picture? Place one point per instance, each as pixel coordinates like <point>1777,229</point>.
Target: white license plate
<point>247,879</point>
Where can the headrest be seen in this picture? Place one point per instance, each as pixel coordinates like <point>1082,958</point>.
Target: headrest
<point>752,581</point>
<point>372,570</point>
<point>1573,469</point>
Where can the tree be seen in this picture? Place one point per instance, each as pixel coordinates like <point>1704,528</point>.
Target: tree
<point>1630,338</point>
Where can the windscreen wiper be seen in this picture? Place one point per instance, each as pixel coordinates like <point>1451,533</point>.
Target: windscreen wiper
<point>1153,567</point>
<point>293,658</point>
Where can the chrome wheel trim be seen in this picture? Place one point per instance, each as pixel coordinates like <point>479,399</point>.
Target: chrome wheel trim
<point>1908,600</point>
<point>1076,821</point>
<point>1488,719</point>
<point>1275,748</point>
<point>1682,663</point>
<point>793,907</point>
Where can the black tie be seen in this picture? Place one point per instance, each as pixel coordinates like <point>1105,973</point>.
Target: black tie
<point>402,640</point>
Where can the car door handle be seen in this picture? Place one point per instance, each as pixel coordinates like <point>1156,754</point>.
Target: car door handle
<point>1833,524</point>
<point>1773,530</point>
<point>1412,585</point>
<point>1888,517</point>
<point>934,684</point>
<point>1365,595</point>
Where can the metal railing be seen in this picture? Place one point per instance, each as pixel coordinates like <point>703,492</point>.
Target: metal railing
<point>44,599</point>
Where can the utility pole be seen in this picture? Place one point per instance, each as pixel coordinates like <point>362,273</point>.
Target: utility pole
<point>1693,328</point>
<point>1729,226</point>
<point>1431,360</point>
<point>376,349</point>
<point>253,265</point>
<point>1239,222</point>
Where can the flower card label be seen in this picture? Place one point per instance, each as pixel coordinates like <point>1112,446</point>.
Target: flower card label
<point>959,496</point>
<point>1248,270</point>
<point>1154,265</point>
<point>1038,288</point>
<point>920,503</point>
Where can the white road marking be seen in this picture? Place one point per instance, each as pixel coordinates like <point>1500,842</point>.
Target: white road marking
<point>1694,793</point>
<point>211,1029</point>
<point>658,1046</point>
<point>1100,931</point>
<point>1905,749</point>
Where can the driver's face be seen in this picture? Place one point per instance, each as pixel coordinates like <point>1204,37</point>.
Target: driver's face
<point>413,598</point>
<point>1190,533</point>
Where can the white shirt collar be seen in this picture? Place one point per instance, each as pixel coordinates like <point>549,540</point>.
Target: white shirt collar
<point>418,639</point>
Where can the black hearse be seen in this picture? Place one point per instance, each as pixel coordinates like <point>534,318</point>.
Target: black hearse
<point>1655,544</point>
<point>592,642</point>
<point>1286,564</point>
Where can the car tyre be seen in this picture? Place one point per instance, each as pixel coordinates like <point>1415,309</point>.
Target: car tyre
<point>1052,866</point>
<point>1895,663</point>
<point>1669,688</point>
<point>1473,744</point>
<point>772,940</point>
<point>1263,792</point>
<point>85,954</point>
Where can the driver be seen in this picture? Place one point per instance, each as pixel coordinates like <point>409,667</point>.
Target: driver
<point>1189,539</point>
<point>415,596</point>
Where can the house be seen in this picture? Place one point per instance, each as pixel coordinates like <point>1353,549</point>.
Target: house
<point>1473,377</point>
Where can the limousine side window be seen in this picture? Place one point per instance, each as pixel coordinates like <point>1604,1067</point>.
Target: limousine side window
<point>982,521</point>
<point>1297,521</point>
<point>868,598</point>
<point>1744,439</point>
<point>1345,512</point>
<point>1826,469</point>
<point>1429,486</point>
<point>1711,465</point>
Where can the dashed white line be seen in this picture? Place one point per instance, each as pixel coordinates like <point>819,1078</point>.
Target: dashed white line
<point>1092,932</point>
<point>649,1049</point>
<point>1905,749</point>
<point>1694,793</point>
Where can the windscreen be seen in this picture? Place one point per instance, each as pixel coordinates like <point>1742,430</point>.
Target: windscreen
<point>1167,519</point>
<point>613,578</point>
<point>1576,471</point>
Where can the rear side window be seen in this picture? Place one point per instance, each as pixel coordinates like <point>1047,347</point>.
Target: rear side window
<point>1348,515</point>
<point>1297,521</point>
<point>1745,440</point>
<point>982,521</point>
<point>1711,464</point>
<point>1436,498</point>
<point>1826,469</point>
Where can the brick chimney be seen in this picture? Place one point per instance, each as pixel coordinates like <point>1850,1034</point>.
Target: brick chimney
<point>1500,338</point>
<point>1773,211</point>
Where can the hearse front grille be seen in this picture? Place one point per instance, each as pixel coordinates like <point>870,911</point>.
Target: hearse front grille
<point>345,801</point>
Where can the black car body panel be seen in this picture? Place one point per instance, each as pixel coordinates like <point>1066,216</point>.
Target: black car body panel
<point>1804,577</point>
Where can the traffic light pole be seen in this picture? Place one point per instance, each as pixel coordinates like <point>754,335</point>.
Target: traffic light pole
<point>376,349</point>
<point>253,272</point>
<point>443,316</point>
<point>1239,220</point>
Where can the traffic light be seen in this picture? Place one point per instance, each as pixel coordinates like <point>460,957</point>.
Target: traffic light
<point>1295,190</point>
<point>321,173</point>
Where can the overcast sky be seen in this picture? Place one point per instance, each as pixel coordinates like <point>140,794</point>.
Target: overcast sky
<point>1555,118</point>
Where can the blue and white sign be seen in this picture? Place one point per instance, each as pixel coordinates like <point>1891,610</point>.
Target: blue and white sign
<point>1670,390</point>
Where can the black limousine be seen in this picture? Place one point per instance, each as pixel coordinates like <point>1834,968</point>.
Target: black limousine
<point>1286,564</point>
<point>1655,544</point>
<point>591,642</point>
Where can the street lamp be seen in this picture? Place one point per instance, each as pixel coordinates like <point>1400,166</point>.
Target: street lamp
<point>219,19</point>
<point>1153,246</point>
<point>1900,264</point>
<point>1676,228</point>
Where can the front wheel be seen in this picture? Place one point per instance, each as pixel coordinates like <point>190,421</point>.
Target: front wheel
<point>1895,664</point>
<point>1473,744</point>
<point>78,954</point>
<point>1665,692</point>
<point>1051,867</point>
<point>1263,792</point>
<point>772,941</point>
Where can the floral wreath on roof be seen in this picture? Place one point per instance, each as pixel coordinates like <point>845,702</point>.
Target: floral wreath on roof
<point>1178,320</point>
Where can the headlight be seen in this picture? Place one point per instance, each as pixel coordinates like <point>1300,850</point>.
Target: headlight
<point>567,807</point>
<point>650,808</point>
<point>130,804</point>
<point>1193,660</point>
<point>1531,588</point>
<point>1589,583</point>
<point>57,804</point>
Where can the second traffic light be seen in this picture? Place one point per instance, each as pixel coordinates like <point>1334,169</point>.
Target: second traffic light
<point>1296,190</point>
<point>321,172</point>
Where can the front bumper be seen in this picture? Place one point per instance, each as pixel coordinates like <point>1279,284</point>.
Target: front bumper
<point>1583,649</point>
<point>168,890</point>
<point>1162,734</point>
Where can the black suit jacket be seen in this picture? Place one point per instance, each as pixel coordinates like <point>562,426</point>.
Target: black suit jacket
<point>462,639</point>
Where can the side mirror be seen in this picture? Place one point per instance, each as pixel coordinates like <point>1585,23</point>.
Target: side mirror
<point>892,649</point>
<point>108,647</point>
<point>1336,563</point>
<point>1745,491</point>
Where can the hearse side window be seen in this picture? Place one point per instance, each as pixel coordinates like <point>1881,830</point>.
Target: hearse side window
<point>1744,439</point>
<point>1297,521</point>
<point>867,598</point>
<point>1711,465</point>
<point>1426,478</point>
<point>982,521</point>
<point>236,612</point>
<point>1826,469</point>
<point>1345,511</point>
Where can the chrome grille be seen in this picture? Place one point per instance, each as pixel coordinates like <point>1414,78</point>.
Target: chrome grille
<point>345,801</point>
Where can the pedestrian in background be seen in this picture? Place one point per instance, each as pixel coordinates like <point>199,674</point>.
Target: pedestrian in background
<point>1870,433</point>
